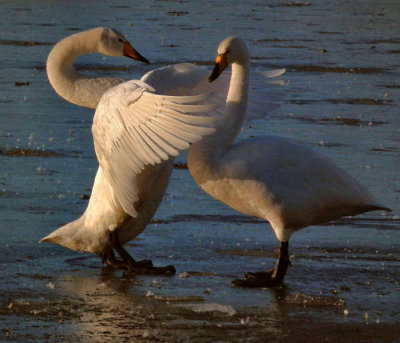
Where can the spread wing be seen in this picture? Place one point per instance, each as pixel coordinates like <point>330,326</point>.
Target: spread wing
<point>134,127</point>
<point>187,79</point>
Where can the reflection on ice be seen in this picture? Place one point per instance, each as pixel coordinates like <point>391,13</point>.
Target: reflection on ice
<point>210,307</point>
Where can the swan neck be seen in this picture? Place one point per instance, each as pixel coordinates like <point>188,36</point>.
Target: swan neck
<point>236,104</point>
<point>204,156</point>
<point>68,49</point>
<point>66,81</point>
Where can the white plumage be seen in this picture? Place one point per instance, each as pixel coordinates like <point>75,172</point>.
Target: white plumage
<point>133,128</point>
<point>273,178</point>
<point>135,134</point>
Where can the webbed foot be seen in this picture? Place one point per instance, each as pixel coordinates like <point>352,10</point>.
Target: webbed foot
<point>129,264</point>
<point>139,268</point>
<point>259,279</point>
<point>271,277</point>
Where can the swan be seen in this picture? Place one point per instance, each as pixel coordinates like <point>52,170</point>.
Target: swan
<point>273,178</point>
<point>124,196</point>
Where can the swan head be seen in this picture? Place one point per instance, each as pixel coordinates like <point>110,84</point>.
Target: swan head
<point>231,50</point>
<point>113,43</point>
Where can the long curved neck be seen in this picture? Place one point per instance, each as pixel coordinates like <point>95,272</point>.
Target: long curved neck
<point>236,104</point>
<point>66,81</point>
<point>204,156</point>
<point>235,110</point>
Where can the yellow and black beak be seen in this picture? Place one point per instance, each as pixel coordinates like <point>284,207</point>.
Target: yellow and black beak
<point>130,52</point>
<point>221,63</point>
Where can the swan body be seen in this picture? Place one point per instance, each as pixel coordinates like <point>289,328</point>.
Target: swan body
<point>130,127</point>
<point>273,178</point>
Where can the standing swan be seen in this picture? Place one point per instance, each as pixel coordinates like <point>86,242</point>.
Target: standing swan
<point>270,177</point>
<point>134,141</point>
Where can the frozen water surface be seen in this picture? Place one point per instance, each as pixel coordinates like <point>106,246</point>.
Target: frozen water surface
<point>341,97</point>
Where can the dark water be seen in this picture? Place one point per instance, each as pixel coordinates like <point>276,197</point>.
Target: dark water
<point>341,97</point>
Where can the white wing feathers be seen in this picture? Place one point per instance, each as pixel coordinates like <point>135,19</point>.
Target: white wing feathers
<point>187,78</point>
<point>133,128</point>
<point>272,73</point>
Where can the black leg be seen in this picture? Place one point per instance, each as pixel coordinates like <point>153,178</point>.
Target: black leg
<point>110,260</point>
<point>271,277</point>
<point>139,267</point>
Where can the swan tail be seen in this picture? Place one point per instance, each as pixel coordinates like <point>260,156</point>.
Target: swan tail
<point>70,236</point>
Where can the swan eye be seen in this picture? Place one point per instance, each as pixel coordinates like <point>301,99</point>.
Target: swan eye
<point>120,40</point>
<point>228,51</point>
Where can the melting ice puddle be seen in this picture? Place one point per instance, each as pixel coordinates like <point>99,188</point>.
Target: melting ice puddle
<point>189,298</point>
<point>194,303</point>
<point>209,307</point>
